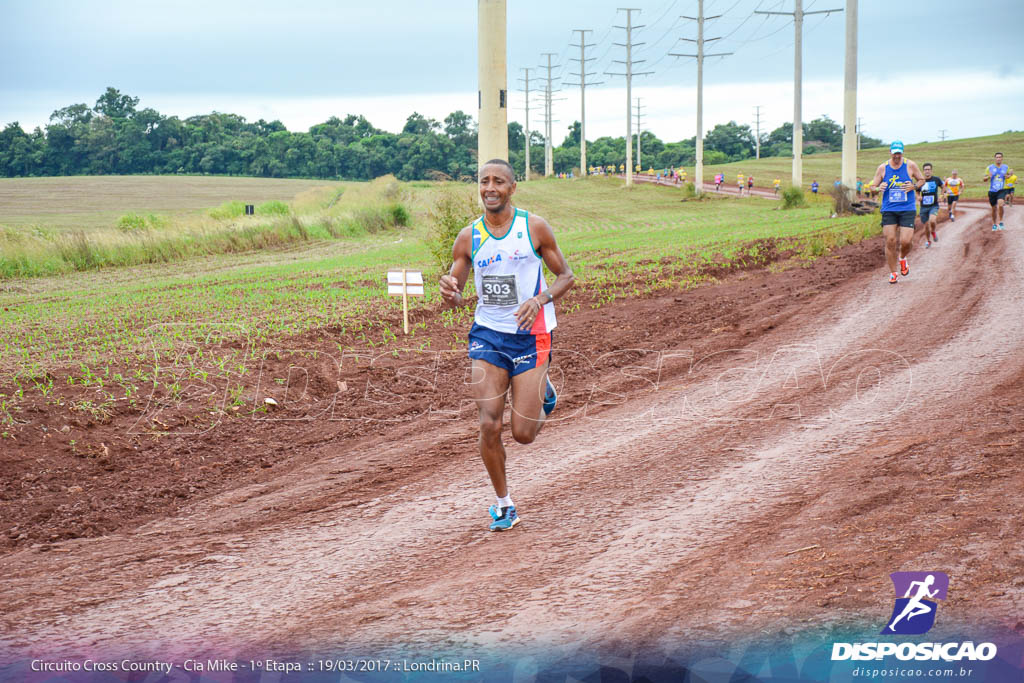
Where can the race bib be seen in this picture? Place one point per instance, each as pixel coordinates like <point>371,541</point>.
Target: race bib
<point>897,195</point>
<point>928,199</point>
<point>499,290</point>
<point>997,183</point>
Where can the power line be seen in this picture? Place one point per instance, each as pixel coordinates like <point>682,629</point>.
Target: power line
<point>629,61</point>
<point>798,138</point>
<point>698,174</point>
<point>583,92</point>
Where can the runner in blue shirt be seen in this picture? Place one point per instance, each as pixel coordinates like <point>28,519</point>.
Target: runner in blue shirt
<point>814,187</point>
<point>898,179</point>
<point>995,176</point>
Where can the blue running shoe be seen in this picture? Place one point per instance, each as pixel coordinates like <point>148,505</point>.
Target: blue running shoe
<point>550,398</point>
<point>505,519</point>
<point>1001,226</point>
<point>994,227</point>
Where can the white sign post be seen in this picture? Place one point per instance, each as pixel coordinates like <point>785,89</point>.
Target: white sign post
<point>405,283</point>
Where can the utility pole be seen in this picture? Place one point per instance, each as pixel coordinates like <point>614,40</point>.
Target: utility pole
<point>549,161</point>
<point>757,129</point>
<point>942,134</point>
<point>639,162</point>
<point>849,165</point>
<point>698,171</point>
<point>798,15</point>
<point>629,62</point>
<point>526,94</point>
<point>583,95</point>
<point>492,117</point>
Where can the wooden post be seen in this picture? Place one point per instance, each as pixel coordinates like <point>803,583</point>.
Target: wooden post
<point>405,301</point>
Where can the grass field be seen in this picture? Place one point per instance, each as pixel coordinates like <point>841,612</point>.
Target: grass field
<point>969,156</point>
<point>109,328</point>
<point>88,202</point>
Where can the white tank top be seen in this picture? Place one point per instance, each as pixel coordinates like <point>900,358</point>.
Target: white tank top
<point>507,271</point>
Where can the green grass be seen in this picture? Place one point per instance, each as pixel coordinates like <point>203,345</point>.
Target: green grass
<point>970,156</point>
<point>619,242</point>
<point>321,213</point>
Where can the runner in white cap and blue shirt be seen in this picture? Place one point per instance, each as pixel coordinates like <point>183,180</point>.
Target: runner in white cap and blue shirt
<point>898,179</point>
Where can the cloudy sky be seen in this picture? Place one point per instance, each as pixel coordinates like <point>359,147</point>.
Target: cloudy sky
<point>923,66</point>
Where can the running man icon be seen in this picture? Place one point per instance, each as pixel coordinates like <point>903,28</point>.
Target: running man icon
<point>914,613</point>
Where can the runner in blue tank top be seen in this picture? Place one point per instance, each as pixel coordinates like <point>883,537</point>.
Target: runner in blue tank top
<point>995,176</point>
<point>898,179</point>
<point>510,343</point>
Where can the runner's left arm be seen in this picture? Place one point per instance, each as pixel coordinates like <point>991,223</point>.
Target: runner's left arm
<point>543,238</point>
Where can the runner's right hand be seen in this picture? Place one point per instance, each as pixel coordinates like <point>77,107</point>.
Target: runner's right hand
<point>449,287</point>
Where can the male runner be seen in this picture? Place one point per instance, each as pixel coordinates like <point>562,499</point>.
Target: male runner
<point>510,341</point>
<point>897,180</point>
<point>814,187</point>
<point>1011,180</point>
<point>996,178</point>
<point>954,187</point>
<point>739,183</point>
<point>860,188</point>
<point>750,185</point>
<point>719,177</point>
<point>930,205</point>
<point>776,183</point>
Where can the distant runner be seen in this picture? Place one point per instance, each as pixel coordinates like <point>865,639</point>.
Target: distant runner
<point>897,179</point>
<point>510,341</point>
<point>718,181</point>
<point>860,187</point>
<point>930,205</point>
<point>1010,182</point>
<point>776,183</point>
<point>814,187</point>
<point>954,187</point>
<point>750,185</point>
<point>739,182</point>
<point>995,176</point>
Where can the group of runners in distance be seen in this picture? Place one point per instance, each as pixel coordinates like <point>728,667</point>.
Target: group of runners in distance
<point>510,342</point>
<point>899,180</point>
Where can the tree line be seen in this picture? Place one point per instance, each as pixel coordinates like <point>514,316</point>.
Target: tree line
<point>114,136</point>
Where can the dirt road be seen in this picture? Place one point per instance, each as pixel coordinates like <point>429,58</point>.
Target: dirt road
<point>768,467</point>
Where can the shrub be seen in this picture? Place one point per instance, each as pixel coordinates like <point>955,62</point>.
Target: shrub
<point>455,208</point>
<point>399,215</point>
<point>273,208</point>
<point>131,222</point>
<point>793,198</point>
<point>228,210</point>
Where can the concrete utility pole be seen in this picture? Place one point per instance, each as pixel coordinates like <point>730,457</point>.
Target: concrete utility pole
<point>629,62</point>
<point>526,94</point>
<point>549,160</point>
<point>698,171</point>
<point>849,166</point>
<point>798,126</point>
<point>492,95</point>
<point>757,130</point>
<point>942,134</point>
<point>639,161</point>
<point>583,92</point>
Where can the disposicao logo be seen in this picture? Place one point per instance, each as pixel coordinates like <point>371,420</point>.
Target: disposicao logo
<point>913,614</point>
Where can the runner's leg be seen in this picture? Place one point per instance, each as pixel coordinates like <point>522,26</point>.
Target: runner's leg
<point>892,247</point>
<point>490,384</point>
<point>906,241</point>
<point>527,403</point>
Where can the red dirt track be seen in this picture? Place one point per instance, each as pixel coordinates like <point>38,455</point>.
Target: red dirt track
<point>759,452</point>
